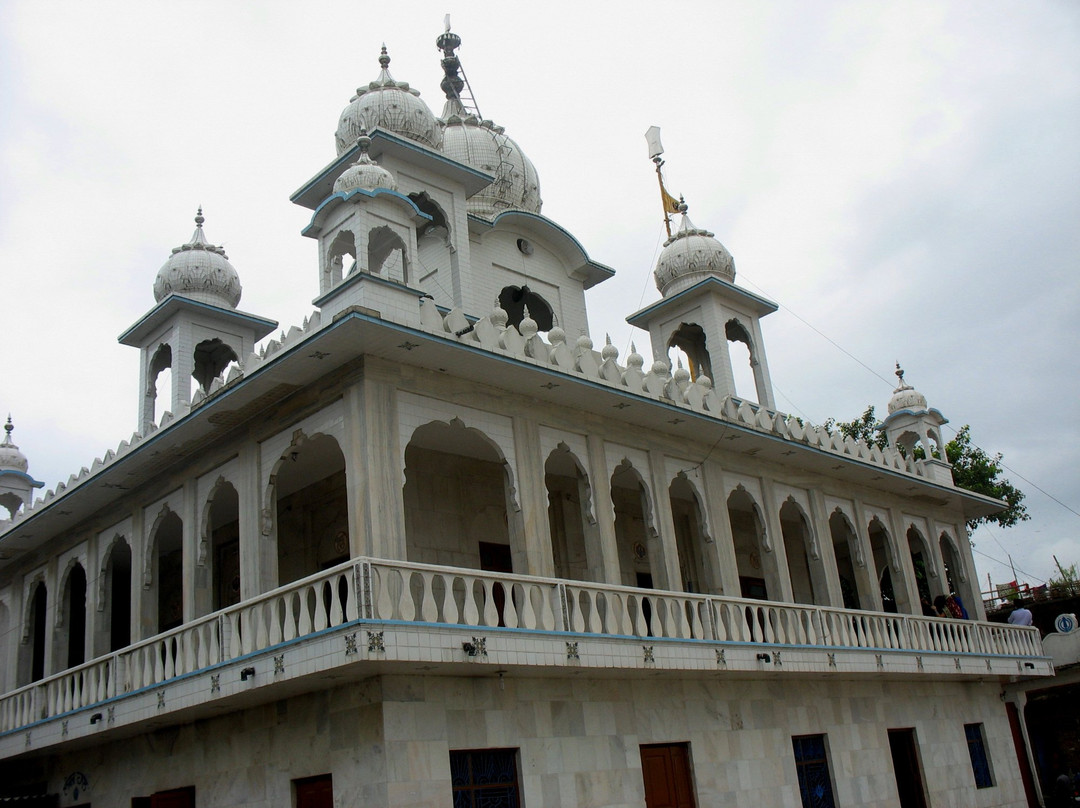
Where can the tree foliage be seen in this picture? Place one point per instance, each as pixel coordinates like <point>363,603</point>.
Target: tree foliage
<point>972,468</point>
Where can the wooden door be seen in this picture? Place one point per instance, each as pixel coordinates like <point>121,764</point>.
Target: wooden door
<point>315,792</point>
<point>177,798</point>
<point>665,769</point>
<point>905,755</point>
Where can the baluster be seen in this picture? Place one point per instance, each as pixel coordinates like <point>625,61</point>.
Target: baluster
<point>472,613</point>
<point>429,612</point>
<point>575,618</point>
<point>450,610</point>
<point>406,608</point>
<point>491,614</point>
<point>511,605</point>
<point>337,613</point>
<point>324,597</point>
<point>528,613</point>
<point>382,603</point>
<point>545,594</point>
<point>355,593</point>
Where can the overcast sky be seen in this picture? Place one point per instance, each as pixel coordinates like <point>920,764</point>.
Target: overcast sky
<point>902,178</point>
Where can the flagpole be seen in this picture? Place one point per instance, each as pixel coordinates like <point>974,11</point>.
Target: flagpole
<point>652,137</point>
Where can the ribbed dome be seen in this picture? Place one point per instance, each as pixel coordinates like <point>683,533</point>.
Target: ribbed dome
<point>200,271</point>
<point>484,146</point>
<point>365,173</point>
<point>387,104</point>
<point>689,256</point>
<point>906,397</point>
<point>11,459</point>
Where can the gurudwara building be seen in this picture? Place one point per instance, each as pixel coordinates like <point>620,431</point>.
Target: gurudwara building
<point>435,546</point>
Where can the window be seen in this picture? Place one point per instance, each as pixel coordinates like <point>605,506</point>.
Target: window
<point>980,763</point>
<point>485,778</point>
<point>812,766</point>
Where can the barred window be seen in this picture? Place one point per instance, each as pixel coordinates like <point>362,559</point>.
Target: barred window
<point>485,778</point>
<point>812,766</point>
<point>980,763</point>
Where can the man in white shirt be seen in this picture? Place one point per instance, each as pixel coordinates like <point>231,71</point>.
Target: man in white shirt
<point>1020,616</point>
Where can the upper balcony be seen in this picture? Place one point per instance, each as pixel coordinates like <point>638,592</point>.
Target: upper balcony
<point>368,616</point>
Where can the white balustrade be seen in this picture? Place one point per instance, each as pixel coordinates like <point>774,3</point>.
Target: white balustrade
<point>394,591</point>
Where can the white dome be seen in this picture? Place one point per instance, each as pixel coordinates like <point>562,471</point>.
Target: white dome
<point>484,146</point>
<point>11,459</point>
<point>390,105</point>
<point>906,397</point>
<point>200,271</point>
<point>365,173</point>
<point>689,256</point>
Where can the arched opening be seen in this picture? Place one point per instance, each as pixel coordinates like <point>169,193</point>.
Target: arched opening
<point>844,549</point>
<point>804,562</point>
<point>33,659</point>
<point>923,564</point>
<point>747,532</point>
<point>223,533</point>
<point>168,555</point>
<point>211,357</point>
<point>689,341</point>
<point>117,610</point>
<point>159,382</point>
<point>690,536</point>
<point>574,546</point>
<point>880,547</point>
<point>743,361</point>
<point>956,577</point>
<point>433,244</point>
<point>635,536</point>
<point>74,618</point>
<point>387,255</point>
<point>515,299</point>
<point>458,500</point>
<point>5,629</point>
<point>311,509</point>
<point>344,244</point>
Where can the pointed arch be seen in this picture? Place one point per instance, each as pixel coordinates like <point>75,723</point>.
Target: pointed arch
<point>209,360</point>
<point>691,536</point>
<point>114,597</point>
<point>69,633</point>
<point>163,572</point>
<point>689,339</point>
<point>459,500</point>
<point>388,255</point>
<point>886,568</point>
<point>575,538</point>
<point>640,554</point>
<point>805,567</point>
<point>35,631</point>
<point>850,562</point>
<point>757,578</point>
<point>219,544</point>
<point>927,581</point>
<point>334,269</point>
<point>307,506</point>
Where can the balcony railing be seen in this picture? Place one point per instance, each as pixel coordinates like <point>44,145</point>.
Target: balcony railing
<point>389,591</point>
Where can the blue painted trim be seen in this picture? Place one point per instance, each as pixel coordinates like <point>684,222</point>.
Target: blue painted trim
<point>22,475</point>
<point>641,314</point>
<point>173,298</point>
<point>345,196</point>
<point>550,223</point>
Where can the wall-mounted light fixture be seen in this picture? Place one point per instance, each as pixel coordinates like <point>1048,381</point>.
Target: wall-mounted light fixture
<point>246,674</point>
<point>95,718</point>
<point>764,658</point>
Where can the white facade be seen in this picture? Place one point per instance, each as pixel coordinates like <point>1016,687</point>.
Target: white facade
<point>428,522</point>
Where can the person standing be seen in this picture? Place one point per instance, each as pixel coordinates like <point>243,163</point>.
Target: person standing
<point>1020,615</point>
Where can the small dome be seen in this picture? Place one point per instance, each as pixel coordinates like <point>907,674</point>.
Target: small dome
<point>365,173</point>
<point>906,397</point>
<point>484,146</point>
<point>689,256</point>
<point>199,270</point>
<point>11,459</point>
<point>387,104</point>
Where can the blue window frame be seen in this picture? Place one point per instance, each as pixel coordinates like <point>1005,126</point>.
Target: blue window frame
<point>812,766</point>
<point>980,763</point>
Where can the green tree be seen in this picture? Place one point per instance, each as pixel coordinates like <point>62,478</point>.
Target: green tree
<point>972,468</point>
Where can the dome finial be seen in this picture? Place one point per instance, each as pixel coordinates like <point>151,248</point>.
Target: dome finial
<point>900,373</point>
<point>452,83</point>
<point>199,217</point>
<point>384,58</point>
<point>8,428</point>
<point>683,207</point>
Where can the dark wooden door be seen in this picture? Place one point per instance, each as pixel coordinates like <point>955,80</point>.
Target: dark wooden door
<point>666,771</point>
<point>177,798</point>
<point>315,792</point>
<point>905,756</point>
